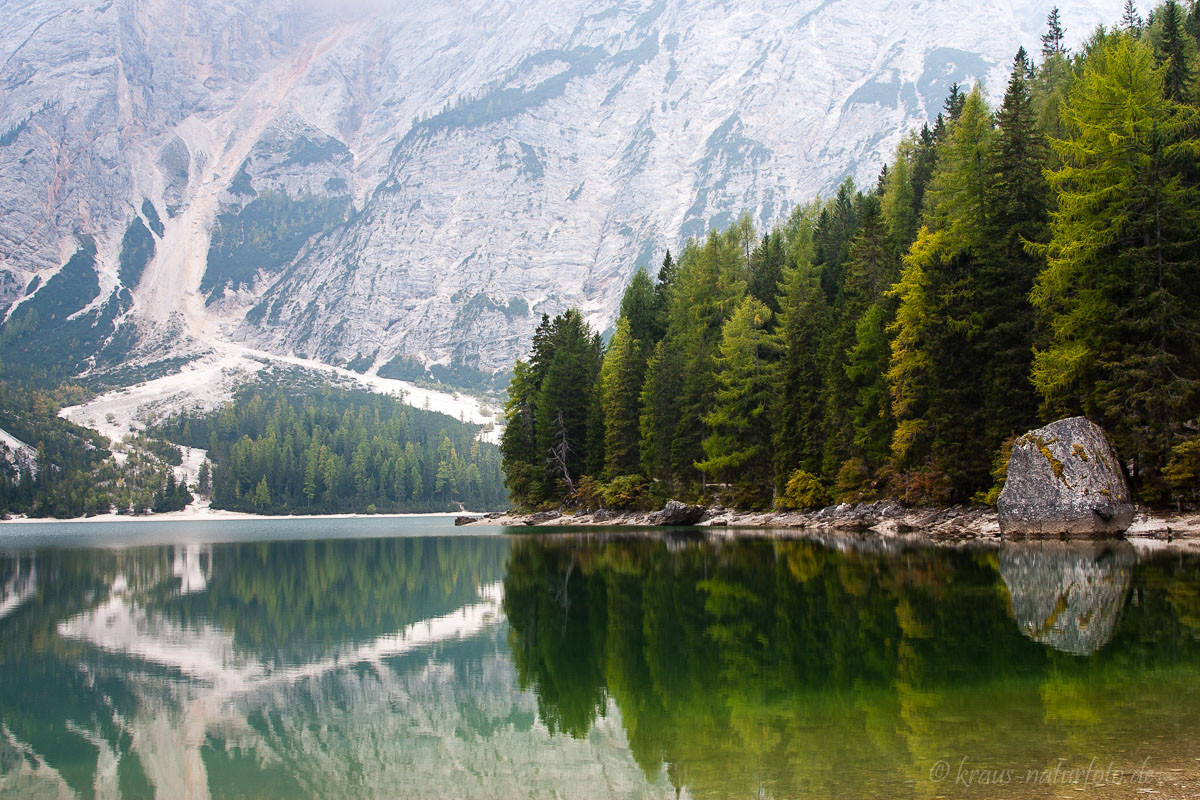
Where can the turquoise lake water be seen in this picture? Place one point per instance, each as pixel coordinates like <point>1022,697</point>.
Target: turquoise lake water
<point>379,658</point>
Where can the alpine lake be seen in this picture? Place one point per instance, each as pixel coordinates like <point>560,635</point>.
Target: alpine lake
<point>404,658</point>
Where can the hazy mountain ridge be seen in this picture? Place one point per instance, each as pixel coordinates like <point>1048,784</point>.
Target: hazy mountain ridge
<point>422,182</point>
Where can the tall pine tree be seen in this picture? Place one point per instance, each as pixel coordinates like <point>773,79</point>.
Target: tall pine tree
<point>1121,291</point>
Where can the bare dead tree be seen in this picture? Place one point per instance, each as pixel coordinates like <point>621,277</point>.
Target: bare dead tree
<point>561,452</point>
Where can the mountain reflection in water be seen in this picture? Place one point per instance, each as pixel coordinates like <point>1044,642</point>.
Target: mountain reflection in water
<point>583,666</point>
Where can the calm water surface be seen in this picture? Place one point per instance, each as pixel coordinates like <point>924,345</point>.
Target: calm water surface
<point>400,658</point>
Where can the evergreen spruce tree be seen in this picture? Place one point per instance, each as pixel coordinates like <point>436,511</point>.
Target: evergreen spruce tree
<point>710,285</point>
<point>1131,20</point>
<point>1018,213</point>
<point>801,331</point>
<point>523,466</point>
<point>924,160</point>
<point>662,288</point>
<point>620,390</point>
<point>836,226</point>
<point>737,449</point>
<point>901,212</point>
<point>262,495</point>
<point>1121,291</point>
<point>594,457</point>
<point>953,105</point>
<point>659,403</point>
<point>870,271</point>
<point>1173,53</point>
<point>870,416</point>
<point>938,357</point>
<point>1052,39</point>
<point>204,479</point>
<point>958,195</point>
<point>638,306</point>
<point>912,371</point>
<point>766,272</point>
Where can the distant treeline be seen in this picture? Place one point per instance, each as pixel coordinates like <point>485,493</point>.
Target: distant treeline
<point>329,450</point>
<point>1011,266</point>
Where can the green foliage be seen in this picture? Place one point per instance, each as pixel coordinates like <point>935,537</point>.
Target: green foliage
<point>73,472</point>
<point>137,248</point>
<point>523,472</point>
<point>621,377</point>
<point>710,285</point>
<point>738,447</point>
<point>639,308</point>
<point>563,406</point>
<point>999,473</point>
<point>629,493</point>
<point>660,412</point>
<point>1119,295</point>
<point>853,482</point>
<point>866,368</point>
<point>1173,51</point>
<point>1182,473</point>
<point>800,335</point>
<point>553,430</point>
<point>1052,39</point>
<point>457,375</point>
<point>300,449</point>
<point>804,490</point>
<point>265,235</point>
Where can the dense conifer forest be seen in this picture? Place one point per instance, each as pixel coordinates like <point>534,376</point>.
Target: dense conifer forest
<point>1011,266</point>
<point>295,449</point>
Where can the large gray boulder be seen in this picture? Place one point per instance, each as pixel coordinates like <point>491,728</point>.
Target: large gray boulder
<point>675,513</point>
<point>1064,479</point>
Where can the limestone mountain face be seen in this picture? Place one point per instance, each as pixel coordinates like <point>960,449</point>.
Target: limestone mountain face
<point>416,183</point>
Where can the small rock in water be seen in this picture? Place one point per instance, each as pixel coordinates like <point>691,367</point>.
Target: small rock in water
<point>1064,479</point>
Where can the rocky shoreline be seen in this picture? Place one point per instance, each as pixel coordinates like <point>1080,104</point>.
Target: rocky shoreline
<point>954,523</point>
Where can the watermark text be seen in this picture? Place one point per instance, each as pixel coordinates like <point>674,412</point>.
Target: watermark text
<point>966,772</point>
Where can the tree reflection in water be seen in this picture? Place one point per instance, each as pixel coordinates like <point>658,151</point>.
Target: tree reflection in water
<point>790,668</point>
<point>635,666</point>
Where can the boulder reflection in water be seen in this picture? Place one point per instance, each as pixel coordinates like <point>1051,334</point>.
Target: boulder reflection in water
<point>1068,595</point>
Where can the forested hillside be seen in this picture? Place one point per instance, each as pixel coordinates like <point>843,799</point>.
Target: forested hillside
<point>295,449</point>
<point>1012,265</point>
<point>50,467</point>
